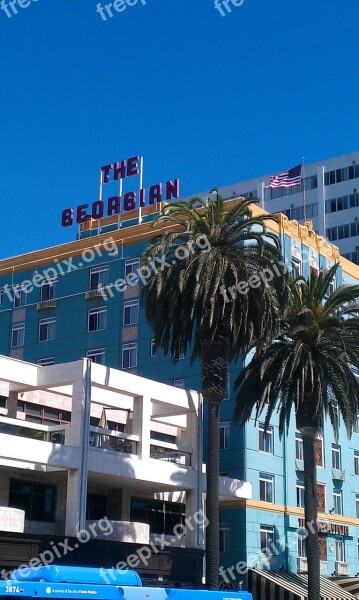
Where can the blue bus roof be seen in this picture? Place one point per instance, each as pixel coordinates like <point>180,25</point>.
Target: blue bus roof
<point>60,574</point>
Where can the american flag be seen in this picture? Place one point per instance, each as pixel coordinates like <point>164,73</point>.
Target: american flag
<point>289,178</point>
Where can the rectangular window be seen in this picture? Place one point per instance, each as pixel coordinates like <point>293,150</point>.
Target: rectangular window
<point>98,277</point>
<point>337,502</point>
<point>298,447</point>
<point>296,267</point>
<point>97,356</point>
<point>266,539</point>
<point>179,383</point>
<point>130,312</point>
<point>223,537</point>
<point>265,439</point>
<point>132,265</point>
<point>357,506</point>
<point>339,549</point>
<point>96,507</point>
<point>302,550</point>
<point>356,462</point>
<point>36,499</point>
<point>336,459</point>
<point>1,297</point>
<point>300,495</point>
<point>45,362</point>
<point>47,329</point>
<point>18,335</point>
<point>97,319</point>
<point>129,355</point>
<point>161,516</point>
<point>266,487</point>
<point>48,289</point>
<point>20,296</point>
<point>224,435</point>
<point>153,347</point>
<point>356,424</point>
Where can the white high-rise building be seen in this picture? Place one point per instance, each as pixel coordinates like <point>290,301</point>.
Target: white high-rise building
<point>328,196</point>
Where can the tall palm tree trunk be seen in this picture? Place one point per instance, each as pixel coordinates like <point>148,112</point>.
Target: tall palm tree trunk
<point>311,512</point>
<point>212,531</point>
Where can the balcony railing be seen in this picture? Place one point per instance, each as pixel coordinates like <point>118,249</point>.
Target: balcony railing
<point>302,564</point>
<point>44,433</point>
<point>113,440</point>
<point>46,304</point>
<point>338,474</point>
<point>342,568</point>
<point>174,454</point>
<point>96,294</point>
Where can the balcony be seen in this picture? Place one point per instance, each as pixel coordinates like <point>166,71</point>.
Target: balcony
<point>46,304</point>
<point>113,440</point>
<point>338,474</point>
<point>342,568</point>
<point>96,294</point>
<point>302,564</point>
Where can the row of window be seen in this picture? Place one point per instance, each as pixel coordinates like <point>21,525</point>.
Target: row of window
<point>297,212</point>
<point>340,232</point>
<point>342,203</point>
<point>98,278</point>
<point>268,543</point>
<point>352,256</point>
<point>307,183</point>
<point>343,174</point>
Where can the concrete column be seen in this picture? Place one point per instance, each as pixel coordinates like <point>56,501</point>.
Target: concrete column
<point>126,505</point>
<point>11,405</point>
<point>141,424</point>
<point>194,522</point>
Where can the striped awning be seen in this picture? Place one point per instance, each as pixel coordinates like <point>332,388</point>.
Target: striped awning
<point>277,585</point>
<point>349,584</point>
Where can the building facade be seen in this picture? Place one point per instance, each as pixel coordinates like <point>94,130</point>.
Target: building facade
<point>98,455</point>
<point>65,316</point>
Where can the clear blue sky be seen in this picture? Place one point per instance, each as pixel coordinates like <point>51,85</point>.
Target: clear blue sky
<point>209,99</point>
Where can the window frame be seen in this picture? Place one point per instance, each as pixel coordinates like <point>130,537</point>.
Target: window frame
<point>266,530</point>
<point>98,271</point>
<point>46,362</point>
<point>176,383</point>
<point>265,435</point>
<point>224,536</point>
<point>51,285</point>
<point>133,264</point>
<point>299,450</point>
<point>224,435</point>
<point>129,347</point>
<point>47,322</point>
<point>337,502</point>
<point>300,494</point>
<point>93,353</point>
<point>100,310</point>
<point>131,309</point>
<point>20,296</point>
<point>336,457</point>
<point>268,480</point>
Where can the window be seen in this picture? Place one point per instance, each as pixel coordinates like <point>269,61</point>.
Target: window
<point>153,347</point>
<point>266,487</point>
<point>339,549</point>
<point>302,550</point>
<point>299,447</point>
<point>18,335</point>
<point>357,506</point>
<point>132,265</point>
<point>47,329</point>
<point>129,355</point>
<point>224,435</point>
<point>356,462</point>
<point>179,383</point>
<point>319,452</point>
<point>98,277</point>
<point>48,289</point>
<point>356,424</point>
<point>265,439</point>
<point>20,295</point>
<point>36,499</point>
<point>181,355</point>
<point>321,497</point>
<point>161,516</point>
<point>96,507</point>
<point>1,296</point>
<point>300,495</point>
<point>266,539</point>
<point>337,502</point>
<point>228,392</point>
<point>45,362</point>
<point>130,312</point>
<point>296,267</point>
<point>336,459</point>
<point>97,319</point>
<point>97,356</point>
<point>223,537</point>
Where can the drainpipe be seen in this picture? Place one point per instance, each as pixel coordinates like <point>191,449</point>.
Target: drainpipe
<point>85,442</point>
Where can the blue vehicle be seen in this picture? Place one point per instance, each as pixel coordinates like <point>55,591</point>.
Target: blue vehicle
<point>101,584</point>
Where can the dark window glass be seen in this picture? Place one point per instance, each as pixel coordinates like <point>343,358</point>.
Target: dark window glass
<point>36,499</point>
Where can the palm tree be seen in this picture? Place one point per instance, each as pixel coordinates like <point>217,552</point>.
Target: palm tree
<point>205,251</point>
<point>308,368</point>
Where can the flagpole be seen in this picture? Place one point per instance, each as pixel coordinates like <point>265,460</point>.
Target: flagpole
<point>100,199</point>
<point>304,198</point>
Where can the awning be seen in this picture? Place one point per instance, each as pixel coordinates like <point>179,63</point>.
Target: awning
<point>277,585</point>
<point>349,584</point>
